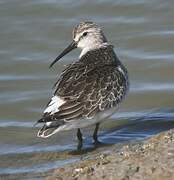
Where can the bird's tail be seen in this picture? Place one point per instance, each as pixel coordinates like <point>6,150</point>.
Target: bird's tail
<point>49,128</point>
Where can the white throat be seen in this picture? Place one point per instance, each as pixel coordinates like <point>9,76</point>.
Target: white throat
<point>86,49</point>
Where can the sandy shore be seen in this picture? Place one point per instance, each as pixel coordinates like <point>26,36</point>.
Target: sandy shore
<point>151,159</point>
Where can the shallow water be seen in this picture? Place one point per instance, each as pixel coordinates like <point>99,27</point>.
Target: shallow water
<point>32,33</point>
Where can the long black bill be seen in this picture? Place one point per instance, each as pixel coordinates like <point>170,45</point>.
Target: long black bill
<point>72,46</point>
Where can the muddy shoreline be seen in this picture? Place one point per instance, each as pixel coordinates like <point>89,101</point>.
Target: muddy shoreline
<point>152,158</point>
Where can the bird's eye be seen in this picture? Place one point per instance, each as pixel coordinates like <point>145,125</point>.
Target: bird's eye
<point>85,33</point>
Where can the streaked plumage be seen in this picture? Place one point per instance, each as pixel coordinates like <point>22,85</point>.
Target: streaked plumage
<point>95,83</point>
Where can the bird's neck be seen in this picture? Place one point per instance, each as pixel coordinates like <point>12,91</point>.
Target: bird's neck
<point>84,51</point>
<point>93,47</point>
<point>103,54</point>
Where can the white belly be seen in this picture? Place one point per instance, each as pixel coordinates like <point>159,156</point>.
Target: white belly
<point>81,123</point>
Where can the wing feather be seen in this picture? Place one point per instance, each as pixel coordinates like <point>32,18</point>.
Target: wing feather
<point>98,90</point>
<point>87,87</point>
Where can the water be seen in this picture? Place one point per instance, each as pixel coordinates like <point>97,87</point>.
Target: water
<point>32,33</point>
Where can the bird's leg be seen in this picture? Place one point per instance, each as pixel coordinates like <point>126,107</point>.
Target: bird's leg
<point>95,137</point>
<point>80,139</point>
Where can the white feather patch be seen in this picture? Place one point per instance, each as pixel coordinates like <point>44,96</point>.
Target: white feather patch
<point>89,45</point>
<point>54,105</point>
<point>48,123</point>
<point>84,51</point>
<point>121,70</point>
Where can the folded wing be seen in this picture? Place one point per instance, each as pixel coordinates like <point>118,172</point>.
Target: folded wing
<point>81,92</point>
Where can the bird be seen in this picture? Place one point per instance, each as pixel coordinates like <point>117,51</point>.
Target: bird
<point>90,89</point>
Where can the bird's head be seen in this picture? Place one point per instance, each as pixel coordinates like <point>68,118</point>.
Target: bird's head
<point>86,36</point>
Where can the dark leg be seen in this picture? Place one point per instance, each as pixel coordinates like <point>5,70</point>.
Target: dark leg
<point>95,137</point>
<point>80,140</point>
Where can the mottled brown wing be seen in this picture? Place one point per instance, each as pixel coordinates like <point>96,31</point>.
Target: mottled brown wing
<point>87,90</point>
<point>106,89</point>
